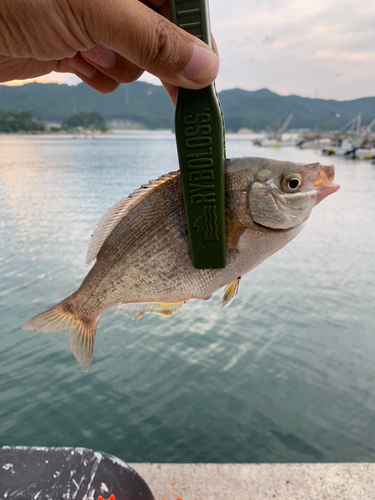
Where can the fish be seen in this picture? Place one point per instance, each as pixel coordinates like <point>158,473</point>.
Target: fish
<point>141,254</point>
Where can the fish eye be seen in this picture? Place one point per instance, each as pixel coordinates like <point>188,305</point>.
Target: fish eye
<point>291,183</point>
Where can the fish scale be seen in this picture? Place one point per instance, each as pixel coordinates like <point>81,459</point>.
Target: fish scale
<point>143,259</point>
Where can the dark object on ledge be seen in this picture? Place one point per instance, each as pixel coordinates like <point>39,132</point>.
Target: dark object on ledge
<point>67,474</point>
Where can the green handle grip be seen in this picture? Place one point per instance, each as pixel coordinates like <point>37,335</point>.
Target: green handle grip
<point>199,128</point>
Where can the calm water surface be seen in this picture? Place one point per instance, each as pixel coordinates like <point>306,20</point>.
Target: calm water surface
<point>285,374</point>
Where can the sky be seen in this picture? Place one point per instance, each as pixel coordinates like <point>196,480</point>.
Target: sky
<point>312,48</point>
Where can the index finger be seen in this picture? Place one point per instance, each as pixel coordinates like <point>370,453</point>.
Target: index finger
<point>151,42</point>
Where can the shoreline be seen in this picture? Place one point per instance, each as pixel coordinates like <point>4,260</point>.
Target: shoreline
<point>144,132</point>
<point>84,132</point>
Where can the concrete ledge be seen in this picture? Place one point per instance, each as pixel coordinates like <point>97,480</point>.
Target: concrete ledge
<point>260,481</point>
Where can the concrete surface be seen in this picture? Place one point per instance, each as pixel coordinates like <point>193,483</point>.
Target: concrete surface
<point>260,481</point>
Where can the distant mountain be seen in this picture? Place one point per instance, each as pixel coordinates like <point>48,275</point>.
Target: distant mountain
<point>140,103</point>
<point>149,106</point>
<point>263,108</point>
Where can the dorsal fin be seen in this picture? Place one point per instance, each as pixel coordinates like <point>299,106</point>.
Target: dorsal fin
<point>115,214</point>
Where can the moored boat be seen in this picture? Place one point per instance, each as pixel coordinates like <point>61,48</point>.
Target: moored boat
<point>365,153</point>
<point>274,140</point>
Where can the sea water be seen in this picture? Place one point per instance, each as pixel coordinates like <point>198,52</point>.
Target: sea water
<point>285,374</point>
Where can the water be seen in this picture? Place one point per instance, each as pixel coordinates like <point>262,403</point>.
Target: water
<point>285,374</point>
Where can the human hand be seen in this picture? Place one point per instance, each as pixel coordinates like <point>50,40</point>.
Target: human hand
<point>105,43</point>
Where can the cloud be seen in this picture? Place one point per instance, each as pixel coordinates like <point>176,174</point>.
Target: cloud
<point>268,39</point>
<point>312,42</point>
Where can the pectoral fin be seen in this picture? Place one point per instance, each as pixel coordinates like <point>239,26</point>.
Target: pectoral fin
<point>235,230</point>
<point>139,309</point>
<point>229,292</point>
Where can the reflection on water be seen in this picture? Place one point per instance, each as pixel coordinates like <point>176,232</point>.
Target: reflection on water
<point>284,374</point>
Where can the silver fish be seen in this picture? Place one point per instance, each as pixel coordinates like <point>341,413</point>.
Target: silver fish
<point>142,254</point>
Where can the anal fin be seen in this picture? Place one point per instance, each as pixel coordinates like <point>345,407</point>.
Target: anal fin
<point>139,309</point>
<point>229,292</point>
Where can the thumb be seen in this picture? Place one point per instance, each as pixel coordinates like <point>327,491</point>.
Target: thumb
<point>152,43</point>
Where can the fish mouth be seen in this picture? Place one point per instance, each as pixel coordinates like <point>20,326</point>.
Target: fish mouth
<point>324,182</point>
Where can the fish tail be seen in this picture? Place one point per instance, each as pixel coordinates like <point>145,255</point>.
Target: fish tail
<point>81,329</point>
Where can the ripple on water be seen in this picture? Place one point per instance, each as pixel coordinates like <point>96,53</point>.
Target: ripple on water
<point>285,374</point>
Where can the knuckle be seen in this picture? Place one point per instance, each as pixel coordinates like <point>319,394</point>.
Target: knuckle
<point>163,51</point>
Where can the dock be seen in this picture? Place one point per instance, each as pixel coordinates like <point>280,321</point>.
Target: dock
<point>334,481</point>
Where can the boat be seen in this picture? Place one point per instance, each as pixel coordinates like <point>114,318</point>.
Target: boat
<point>316,144</point>
<point>345,144</point>
<point>274,139</point>
<point>340,147</point>
<point>366,151</point>
<point>360,147</point>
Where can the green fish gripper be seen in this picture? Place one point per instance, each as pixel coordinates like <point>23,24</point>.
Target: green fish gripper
<point>199,126</point>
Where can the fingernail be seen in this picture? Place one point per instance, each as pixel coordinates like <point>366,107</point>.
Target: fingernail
<point>203,65</point>
<point>103,57</point>
<point>81,66</point>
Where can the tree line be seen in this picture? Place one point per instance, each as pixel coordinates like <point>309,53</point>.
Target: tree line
<point>22,121</point>
<point>16,122</point>
<point>90,121</point>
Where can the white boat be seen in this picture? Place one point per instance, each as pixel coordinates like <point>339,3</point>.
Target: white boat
<point>275,140</point>
<point>341,147</point>
<point>345,146</point>
<point>314,144</point>
<point>274,143</point>
<point>365,153</point>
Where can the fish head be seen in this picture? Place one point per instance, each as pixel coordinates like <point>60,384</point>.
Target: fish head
<point>283,194</point>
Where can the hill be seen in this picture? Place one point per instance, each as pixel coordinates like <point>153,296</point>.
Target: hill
<point>263,108</point>
<point>150,107</point>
